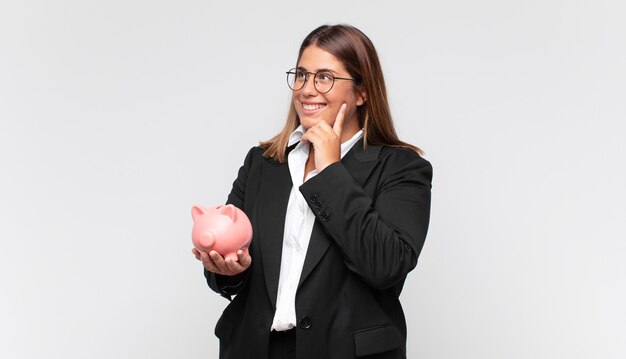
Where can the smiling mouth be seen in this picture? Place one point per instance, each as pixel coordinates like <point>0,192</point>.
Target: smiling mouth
<point>313,107</point>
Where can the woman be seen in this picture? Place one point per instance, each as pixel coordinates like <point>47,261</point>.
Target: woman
<point>339,208</point>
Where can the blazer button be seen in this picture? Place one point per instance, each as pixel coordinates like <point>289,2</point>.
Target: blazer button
<point>305,323</point>
<point>313,198</point>
<point>325,216</point>
<point>317,205</point>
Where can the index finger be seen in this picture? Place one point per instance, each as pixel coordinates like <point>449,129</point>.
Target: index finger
<point>338,125</point>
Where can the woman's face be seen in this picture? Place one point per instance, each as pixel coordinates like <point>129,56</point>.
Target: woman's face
<point>313,106</point>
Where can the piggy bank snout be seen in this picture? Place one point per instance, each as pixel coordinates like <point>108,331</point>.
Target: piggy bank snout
<point>207,239</point>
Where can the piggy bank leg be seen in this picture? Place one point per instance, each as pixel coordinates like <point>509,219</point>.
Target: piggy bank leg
<point>234,256</point>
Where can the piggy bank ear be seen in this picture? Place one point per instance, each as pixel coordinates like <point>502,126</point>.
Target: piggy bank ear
<point>230,211</point>
<point>197,211</point>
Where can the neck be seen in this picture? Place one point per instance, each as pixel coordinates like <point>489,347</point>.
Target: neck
<point>349,131</point>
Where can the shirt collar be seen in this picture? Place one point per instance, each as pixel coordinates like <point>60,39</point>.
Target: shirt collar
<point>295,136</point>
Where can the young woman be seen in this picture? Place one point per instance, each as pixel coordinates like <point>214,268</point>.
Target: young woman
<point>339,208</point>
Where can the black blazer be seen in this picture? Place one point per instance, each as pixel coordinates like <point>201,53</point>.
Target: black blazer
<point>372,211</point>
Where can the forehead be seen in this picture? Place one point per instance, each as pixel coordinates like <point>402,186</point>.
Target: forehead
<point>314,58</point>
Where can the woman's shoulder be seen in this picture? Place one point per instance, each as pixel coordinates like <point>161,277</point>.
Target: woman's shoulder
<point>401,164</point>
<point>256,151</point>
<point>253,156</point>
<point>402,156</point>
<point>258,155</point>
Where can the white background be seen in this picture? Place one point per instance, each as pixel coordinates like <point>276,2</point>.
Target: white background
<point>116,116</point>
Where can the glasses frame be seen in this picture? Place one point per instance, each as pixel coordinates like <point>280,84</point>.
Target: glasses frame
<point>306,78</point>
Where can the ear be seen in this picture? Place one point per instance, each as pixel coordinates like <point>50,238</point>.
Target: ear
<point>197,211</point>
<point>361,96</point>
<point>229,211</point>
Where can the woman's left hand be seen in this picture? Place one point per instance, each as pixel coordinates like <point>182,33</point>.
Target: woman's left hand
<point>326,140</point>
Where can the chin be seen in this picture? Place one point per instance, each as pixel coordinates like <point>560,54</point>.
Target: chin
<point>307,121</point>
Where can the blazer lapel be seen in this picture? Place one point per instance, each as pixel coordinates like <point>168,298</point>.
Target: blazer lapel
<point>359,162</point>
<point>273,198</point>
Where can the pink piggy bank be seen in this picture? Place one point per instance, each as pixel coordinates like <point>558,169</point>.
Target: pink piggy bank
<point>225,229</point>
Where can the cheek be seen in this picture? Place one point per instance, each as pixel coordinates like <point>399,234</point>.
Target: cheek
<point>347,96</point>
<point>295,103</point>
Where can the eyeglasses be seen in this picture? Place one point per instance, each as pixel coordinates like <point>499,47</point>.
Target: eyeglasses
<point>323,83</point>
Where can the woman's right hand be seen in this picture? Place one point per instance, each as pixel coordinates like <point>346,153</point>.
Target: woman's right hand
<point>214,262</point>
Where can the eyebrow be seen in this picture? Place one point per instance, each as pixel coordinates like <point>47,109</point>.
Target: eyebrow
<point>318,70</point>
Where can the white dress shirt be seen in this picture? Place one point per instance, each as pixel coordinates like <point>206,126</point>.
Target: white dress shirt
<point>299,221</point>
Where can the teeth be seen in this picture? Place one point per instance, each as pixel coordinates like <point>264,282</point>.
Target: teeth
<point>312,107</point>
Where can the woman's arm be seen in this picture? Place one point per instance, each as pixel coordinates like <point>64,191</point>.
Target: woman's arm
<point>382,239</point>
<point>223,277</point>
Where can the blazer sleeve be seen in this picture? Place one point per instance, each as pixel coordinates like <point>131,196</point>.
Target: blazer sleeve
<point>228,286</point>
<point>380,239</point>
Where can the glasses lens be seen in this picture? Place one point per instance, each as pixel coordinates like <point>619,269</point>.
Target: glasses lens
<point>295,79</point>
<point>324,81</point>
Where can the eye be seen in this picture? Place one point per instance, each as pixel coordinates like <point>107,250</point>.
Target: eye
<point>325,76</point>
<point>300,75</point>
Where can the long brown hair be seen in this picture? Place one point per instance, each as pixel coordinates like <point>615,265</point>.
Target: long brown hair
<point>359,57</point>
